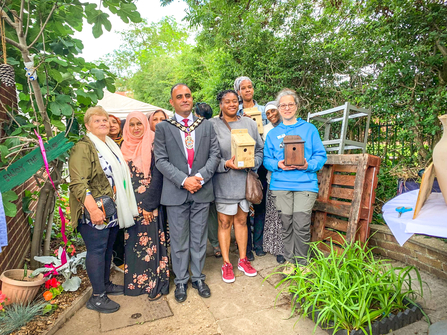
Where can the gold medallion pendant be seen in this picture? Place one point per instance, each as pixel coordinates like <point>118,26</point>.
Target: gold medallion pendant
<point>189,142</point>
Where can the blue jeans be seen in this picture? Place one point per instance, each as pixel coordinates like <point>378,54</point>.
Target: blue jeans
<point>99,245</point>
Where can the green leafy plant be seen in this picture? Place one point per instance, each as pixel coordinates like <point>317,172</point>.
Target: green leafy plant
<point>16,316</point>
<point>49,308</point>
<point>54,264</point>
<point>25,271</point>
<point>350,288</point>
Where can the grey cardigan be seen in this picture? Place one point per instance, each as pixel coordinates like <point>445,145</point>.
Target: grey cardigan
<point>229,184</point>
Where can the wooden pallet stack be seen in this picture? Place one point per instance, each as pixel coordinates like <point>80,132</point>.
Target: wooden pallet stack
<point>347,185</point>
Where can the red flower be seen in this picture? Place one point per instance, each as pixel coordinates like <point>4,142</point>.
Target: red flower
<point>52,283</point>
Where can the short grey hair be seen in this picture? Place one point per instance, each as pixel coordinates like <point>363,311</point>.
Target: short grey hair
<point>238,82</point>
<point>286,92</point>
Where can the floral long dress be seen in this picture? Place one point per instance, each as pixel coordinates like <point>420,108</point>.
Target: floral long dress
<point>273,242</point>
<point>146,256</point>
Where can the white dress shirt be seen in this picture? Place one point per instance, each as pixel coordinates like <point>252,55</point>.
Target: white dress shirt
<point>180,119</point>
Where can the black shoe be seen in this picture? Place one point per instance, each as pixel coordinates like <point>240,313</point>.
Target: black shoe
<point>204,290</point>
<point>102,304</point>
<point>180,292</point>
<point>112,289</point>
<point>280,259</point>
<point>250,256</point>
<point>260,252</point>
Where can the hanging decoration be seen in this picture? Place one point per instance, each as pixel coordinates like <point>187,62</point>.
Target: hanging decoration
<point>7,75</point>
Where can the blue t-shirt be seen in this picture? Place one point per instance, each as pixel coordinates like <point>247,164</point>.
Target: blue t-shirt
<point>314,152</point>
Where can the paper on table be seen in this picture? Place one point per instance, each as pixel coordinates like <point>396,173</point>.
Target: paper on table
<point>3,227</point>
<point>398,224</point>
<point>432,219</point>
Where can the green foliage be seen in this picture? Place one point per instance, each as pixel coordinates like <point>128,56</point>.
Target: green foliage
<point>8,198</point>
<point>49,308</point>
<point>16,316</point>
<point>351,288</point>
<point>67,83</point>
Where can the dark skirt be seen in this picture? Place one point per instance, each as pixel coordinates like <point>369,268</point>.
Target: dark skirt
<point>146,268</point>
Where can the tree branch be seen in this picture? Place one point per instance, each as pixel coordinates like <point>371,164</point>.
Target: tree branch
<point>27,21</point>
<point>22,5</point>
<point>14,43</point>
<point>441,48</point>
<point>7,19</point>
<point>44,25</point>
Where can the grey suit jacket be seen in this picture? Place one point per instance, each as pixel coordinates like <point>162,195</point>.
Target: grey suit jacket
<point>171,161</point>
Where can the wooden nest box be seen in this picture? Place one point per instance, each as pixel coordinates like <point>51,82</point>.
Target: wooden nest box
<point>243,148</point>
<point>294,150</point>
<point>256,116</point>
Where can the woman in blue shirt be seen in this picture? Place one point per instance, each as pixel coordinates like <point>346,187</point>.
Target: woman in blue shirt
<point>294,187</point>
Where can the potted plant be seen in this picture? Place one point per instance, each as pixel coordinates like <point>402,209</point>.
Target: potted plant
<point>350,291</point>
<point>20,287</point>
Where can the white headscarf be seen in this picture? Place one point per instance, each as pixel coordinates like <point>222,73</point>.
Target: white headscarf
<point>125,196</point>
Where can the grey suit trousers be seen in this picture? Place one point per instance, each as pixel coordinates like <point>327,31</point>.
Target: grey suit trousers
<point>189,232</point>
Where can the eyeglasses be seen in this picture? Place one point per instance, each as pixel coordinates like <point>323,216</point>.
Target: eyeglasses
<point>290,105</point>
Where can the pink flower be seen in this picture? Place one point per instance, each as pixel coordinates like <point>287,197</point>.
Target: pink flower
<point>147,258</point>
<point>144,240</point>
<point>142,278</point>
<point>149,252</point>
<point>141,189</point>
<point>162,237</point>
<point>131,286</point>
<point>126,236</point>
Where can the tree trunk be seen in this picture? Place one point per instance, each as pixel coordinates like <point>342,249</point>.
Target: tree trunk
<point>47,246</point>
<point>39,222</point>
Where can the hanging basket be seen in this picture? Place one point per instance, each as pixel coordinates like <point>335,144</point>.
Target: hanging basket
<point>7,75</point>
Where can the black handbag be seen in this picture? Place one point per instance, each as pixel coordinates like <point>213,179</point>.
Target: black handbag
<point>106,204</point>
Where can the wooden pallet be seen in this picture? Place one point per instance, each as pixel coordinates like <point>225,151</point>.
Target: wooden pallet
<point>347,185</point>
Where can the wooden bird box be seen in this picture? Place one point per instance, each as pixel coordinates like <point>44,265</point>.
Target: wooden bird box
<point>293,150</point>
<point>256,116</point>
<point>243,148</point>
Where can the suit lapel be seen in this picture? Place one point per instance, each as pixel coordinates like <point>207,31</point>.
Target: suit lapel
<point>198,136</point>
<point>176,134</point>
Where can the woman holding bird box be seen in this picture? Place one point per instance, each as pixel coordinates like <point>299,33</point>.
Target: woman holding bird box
<point>294,186</point>
<point>241,147</point>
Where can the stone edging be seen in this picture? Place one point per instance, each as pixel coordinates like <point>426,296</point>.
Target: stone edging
<point>66,315</point>
<point>428,254</point>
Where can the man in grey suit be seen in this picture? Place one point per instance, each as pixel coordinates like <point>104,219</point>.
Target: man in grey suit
<point>187,154</point>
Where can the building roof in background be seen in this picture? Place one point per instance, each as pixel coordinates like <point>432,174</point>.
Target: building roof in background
<point>120,106</point>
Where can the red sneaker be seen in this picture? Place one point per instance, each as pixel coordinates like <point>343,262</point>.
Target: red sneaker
<point>227,273</point>
<point>245,266</point>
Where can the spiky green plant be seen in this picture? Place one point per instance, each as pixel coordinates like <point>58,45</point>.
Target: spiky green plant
<point>18,315</point>
<point>350,288</point>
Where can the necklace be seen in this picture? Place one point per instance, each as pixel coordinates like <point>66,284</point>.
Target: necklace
<point>189,142</point>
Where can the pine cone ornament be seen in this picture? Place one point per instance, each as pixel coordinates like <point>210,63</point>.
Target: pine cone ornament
<point>7,75</point>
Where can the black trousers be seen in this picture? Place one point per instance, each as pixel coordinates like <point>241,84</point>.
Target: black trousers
<point>99,245</point>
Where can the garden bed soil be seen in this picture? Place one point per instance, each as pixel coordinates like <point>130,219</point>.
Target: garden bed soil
<point>42,323</point>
